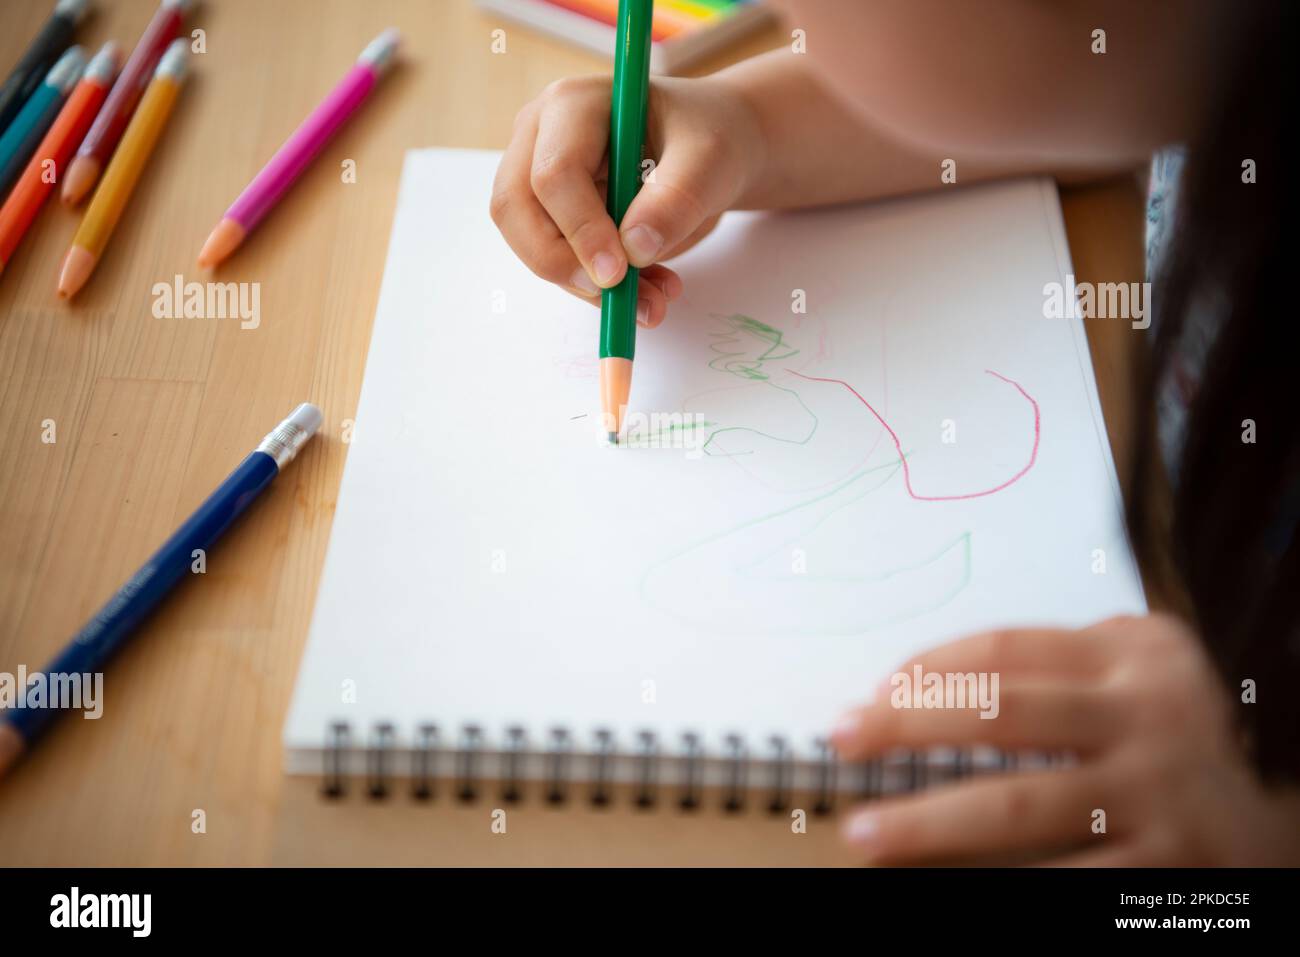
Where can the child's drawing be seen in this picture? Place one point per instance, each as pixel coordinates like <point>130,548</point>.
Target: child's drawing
<point>762,576</point>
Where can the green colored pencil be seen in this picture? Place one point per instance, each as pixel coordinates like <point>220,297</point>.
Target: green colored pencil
<point>627,117</point>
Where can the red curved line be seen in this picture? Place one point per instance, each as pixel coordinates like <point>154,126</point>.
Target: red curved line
<point>907,475</point>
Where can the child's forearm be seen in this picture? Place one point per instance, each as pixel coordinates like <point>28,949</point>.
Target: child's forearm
<point>819,149</point>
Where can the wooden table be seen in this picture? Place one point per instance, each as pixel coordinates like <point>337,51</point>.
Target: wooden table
<point>148,414</point>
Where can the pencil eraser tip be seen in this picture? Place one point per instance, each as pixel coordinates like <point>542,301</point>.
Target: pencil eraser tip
<point>175,62</point>
<point>307,417</point>
<point>104,64</point>
<point>72,9</point>
<point>381,51</point>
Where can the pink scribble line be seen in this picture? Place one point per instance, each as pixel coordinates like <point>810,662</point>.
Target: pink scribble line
<point>907,475</point>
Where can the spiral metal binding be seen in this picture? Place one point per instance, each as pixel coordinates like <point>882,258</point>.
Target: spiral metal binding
<point>601,771</point>
<point>825,778</point>
<point>734,801</point>
<point>782,772</point>
<point>649,769</point>
<point>467,790</point>
<point>873,779</point>
<point>377,761</point>
<point>916,771</point>
<point>340,737</point>
<point>690,799</point>
<point>961,765</point>
<point>774,769</point>
<point>424,771</point>
<point>515,743</point>
<point>557,775</point>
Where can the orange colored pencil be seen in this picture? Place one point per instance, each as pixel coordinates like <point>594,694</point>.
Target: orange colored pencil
<point>51,157</point>
<point>124,169</point>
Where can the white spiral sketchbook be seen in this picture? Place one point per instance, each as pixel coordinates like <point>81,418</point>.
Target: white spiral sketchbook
<point>857,436</point>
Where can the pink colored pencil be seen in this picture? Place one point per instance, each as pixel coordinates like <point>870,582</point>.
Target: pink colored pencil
<point>298,151</point>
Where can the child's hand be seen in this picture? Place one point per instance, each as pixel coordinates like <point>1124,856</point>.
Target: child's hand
<point>1136,700</point>
<point>549,196</point>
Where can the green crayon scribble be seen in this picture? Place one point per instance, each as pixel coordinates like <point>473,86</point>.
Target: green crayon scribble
<point>738,362</point>
<point>671,427</point>
<point>744,347</point>
<point>890,469</point>
<point>744,364</point>
<point>808,503</point>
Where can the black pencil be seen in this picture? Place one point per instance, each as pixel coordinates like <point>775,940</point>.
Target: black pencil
<point>54,38</point>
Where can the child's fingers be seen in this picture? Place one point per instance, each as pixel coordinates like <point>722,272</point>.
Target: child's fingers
<point>572,136</point>
<point>990,817</point>
<point>526,226</point>
<point>1047,716</point>
<point>666,279</point>
<point>656,288</point>
<point>1020,652</point>
<point>680,195</point>
<point>548,200</point>
<point>652,301</point>
<point>700,232</point>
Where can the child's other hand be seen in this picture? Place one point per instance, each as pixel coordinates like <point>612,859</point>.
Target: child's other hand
<point>549,196</point>
<point>1136,700</point>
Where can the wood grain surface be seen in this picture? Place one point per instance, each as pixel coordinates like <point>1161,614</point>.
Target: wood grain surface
<point>150,414</point>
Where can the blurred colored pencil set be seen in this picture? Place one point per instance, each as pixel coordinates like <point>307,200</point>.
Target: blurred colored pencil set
<point>111,120</point>
<point>87,130</point>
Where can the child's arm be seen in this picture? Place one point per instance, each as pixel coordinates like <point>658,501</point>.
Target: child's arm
<point>1088,84</point>
<point>821,147</point>
<point>890,91</point>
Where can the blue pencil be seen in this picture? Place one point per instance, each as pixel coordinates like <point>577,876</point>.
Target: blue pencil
<point>21,726</point>
<point>19,142</point>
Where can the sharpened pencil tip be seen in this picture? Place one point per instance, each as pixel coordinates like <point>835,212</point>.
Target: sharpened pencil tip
<point>80,177</point>
<point>613,438</point>
<point>224,239</point>
<point>77,267</point>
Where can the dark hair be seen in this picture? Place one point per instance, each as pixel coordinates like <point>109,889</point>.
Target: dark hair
<point>1232,532</point>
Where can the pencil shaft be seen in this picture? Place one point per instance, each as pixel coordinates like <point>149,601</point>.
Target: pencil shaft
<point>48,163</point>
<point>127,165</point>
<point>24,134</point>
<point>111,123</point>
<point>113,624</point>
<point>30,71</point>
<point>626,139</point>
<point>144,591</point>
<point>298,151</point>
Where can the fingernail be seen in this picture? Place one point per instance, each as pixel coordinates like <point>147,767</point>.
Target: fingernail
<point>846,726</point>
<point>605,266</point>
<point>643,312</point>
<point>642,244</point>
<point>582,282</point>
<point>861,828</point>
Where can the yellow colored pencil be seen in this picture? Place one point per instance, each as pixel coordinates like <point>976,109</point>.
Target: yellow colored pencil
<point>124,169</point>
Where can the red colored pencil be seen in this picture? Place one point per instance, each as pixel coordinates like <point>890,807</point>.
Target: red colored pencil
<point>97,149</point>
<point>50,160</point>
